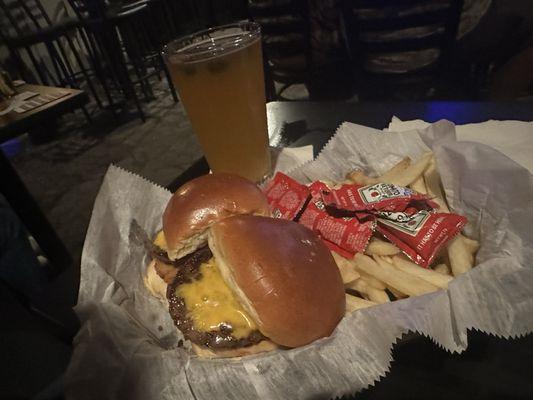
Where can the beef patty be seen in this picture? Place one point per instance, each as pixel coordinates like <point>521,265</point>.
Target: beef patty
<point>187,269</point>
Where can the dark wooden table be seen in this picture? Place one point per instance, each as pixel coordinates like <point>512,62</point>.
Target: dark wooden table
<point>14,124</point>
<point>299,123</point>
<point>11,186</point>
<point>302,123</point>
<point>491,367</point>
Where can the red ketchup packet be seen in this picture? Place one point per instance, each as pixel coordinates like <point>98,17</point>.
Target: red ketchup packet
<point>345,218</point>
<point>421,235</point>
<point>285,196</point>
<point>346,235</point>
<point>380,197</point>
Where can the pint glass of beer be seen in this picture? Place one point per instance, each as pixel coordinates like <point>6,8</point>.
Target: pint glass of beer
<point>218,73</point>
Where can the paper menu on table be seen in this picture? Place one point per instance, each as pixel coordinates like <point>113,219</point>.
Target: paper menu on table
<point>125,329</point>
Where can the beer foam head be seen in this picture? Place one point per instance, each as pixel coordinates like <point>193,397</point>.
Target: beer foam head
<point>211,43</point>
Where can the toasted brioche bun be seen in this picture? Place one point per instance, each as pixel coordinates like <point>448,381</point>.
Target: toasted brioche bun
<point>199,203</point>
<point>283,274</point>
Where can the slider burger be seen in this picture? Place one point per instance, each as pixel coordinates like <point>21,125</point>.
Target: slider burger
<point>238,282</point>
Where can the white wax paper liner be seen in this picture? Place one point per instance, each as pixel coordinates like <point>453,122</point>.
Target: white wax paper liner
<point>128,346</point>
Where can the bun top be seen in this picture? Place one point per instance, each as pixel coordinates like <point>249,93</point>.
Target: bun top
<point>284,275</point>
<point>203,201</point>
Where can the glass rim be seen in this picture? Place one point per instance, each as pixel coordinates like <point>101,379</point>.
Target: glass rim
<point>250,31</point>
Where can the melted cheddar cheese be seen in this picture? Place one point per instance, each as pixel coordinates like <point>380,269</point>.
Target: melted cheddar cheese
<point>160,240</point>
<point>211,304</point>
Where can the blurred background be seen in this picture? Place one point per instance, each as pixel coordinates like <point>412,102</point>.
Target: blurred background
<point>129,113</point>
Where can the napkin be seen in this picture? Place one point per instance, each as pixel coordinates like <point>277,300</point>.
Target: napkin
<point>292,157</point>
<point>512,138</point>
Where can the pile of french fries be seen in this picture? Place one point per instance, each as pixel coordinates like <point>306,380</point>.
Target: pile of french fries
<point>383,273</point>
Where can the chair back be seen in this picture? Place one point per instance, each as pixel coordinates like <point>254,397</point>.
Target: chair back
<point>285,40</point>
<point>21,17</point>
<point>399,31</point>
<point>287,20</point>
<point>87,9</point>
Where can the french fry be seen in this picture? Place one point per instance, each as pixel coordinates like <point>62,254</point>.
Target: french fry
<point>461,255</point>
<point>396,293</point>
<point>395,171</point>
<point>373,281</point>
<point>358,177</point>
<point>408,284</point>
<point>426,274</point>
<point>354,303</point>
<point>409,174</point>
<point>346,268</point>
<point>335,185</point>
<point>443,269</point>
<point>419,186</point>
<point>373,294</point>
<point>461,250</point>
<point>403,173</point>
<point>443,258</point>
<point>472,244</point>
<point>381,248</point>
<point>434,186</point>
<point>378,296</point>
<point>383,267</point>
<point>387,259</point>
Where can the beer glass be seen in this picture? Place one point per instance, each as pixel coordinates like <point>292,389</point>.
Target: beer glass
<point>218,73</point>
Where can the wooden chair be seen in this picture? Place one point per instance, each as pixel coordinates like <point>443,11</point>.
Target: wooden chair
<point>400,49</point>
<point>285,32</point>
<point>28,27</point>
<point>129,36</point>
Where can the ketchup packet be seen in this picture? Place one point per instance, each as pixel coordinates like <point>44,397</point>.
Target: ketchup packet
<point>346,235</point>
<point>345,218</point>
<point>337,249</point>
<point>285,196</point>
<point>421,235</point>
<point>380,196</point>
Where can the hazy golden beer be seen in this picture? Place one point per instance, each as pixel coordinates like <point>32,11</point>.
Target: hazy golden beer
<point>219,76</point>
